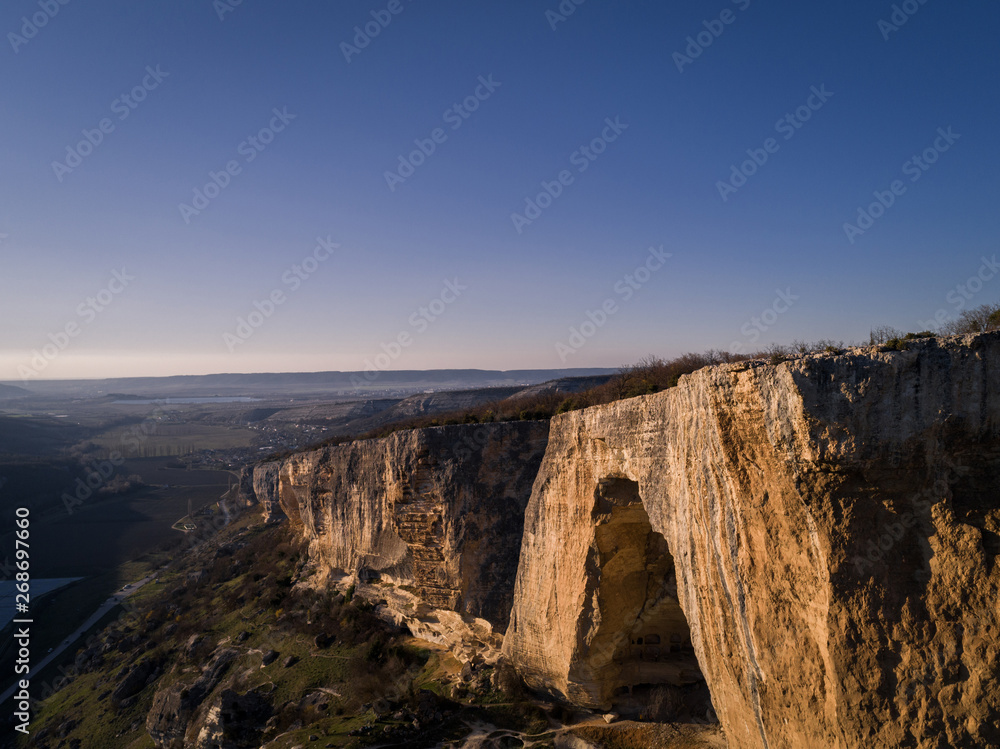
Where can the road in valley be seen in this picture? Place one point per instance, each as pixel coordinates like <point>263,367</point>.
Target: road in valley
<point>104,608</point>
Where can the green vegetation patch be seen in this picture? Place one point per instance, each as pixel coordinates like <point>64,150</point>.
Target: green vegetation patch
<point>229,627</point>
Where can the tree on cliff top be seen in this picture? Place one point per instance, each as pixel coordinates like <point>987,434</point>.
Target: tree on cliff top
<point>979,319</point>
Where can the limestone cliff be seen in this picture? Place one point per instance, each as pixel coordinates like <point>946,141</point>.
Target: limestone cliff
<point>436,513</point>
<point>259,485</point>
<point>821,535</point>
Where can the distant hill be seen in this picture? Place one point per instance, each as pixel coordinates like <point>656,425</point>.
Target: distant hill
<point>38,435</point>
<point>358,417</point>
<point>347,385</point>
<point>566,385</point>
<point>426,404</point>
<point>12,391</point>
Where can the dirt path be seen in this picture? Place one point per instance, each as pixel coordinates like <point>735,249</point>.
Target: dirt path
<point>595,732</point>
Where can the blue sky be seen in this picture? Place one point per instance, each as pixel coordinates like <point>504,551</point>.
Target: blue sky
<point>766,259</point>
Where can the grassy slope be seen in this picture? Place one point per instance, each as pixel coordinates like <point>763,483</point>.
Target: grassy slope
<point>247,587</point>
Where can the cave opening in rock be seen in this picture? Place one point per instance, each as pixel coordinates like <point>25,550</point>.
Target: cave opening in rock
<point>642,651</point>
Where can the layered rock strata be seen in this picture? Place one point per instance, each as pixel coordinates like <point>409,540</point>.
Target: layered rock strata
<point>822,534</point>
<point>436,513</point>
<point>814,541</point>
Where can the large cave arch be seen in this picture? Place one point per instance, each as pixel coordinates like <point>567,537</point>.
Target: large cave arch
<point>640,652</point>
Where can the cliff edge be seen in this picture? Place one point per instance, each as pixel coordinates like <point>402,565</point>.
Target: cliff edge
<point>806,550</point>
<point>429,521</point>
<point>817,540</point>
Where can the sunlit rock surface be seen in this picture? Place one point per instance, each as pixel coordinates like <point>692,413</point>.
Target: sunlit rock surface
<point>822,534</point>
<point>437,514</point>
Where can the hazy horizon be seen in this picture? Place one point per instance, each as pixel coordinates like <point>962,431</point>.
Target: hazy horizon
<point>246,187</point>
<point>21,383</point>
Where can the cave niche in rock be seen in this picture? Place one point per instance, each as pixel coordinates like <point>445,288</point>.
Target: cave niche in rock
<point>641,653</point>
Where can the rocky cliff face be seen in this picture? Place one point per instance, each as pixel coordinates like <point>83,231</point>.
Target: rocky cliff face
<point>813,544</point>
<point>436,513</point>
<point>259,485</point>
<point>816,539</point>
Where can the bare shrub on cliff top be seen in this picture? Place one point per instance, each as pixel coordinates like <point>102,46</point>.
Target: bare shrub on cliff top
<point>979,319</point>
<point>883,334</point>
<point>652,374</point>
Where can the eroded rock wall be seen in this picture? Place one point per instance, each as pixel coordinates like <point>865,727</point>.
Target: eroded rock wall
<point>833,523</point>
<point>265,489</point>
<point>436,512</point>
<point>259,486</point>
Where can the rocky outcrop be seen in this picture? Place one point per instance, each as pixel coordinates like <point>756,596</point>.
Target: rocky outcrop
<point>172,717</point>
<point>234,721</point>
<point>265,487</point>
<point>246,496</point>
<point>808,548</point>
<point>135,679</point>
<point>259,486</point>
<point>437,514</point>
<point>816,539</point>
